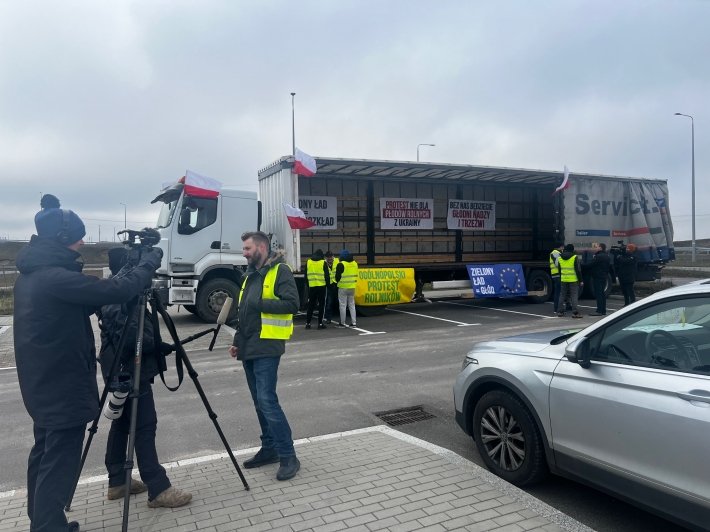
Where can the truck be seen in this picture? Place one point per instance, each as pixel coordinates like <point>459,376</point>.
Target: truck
<point>430,218</point>
<point>439,218</point>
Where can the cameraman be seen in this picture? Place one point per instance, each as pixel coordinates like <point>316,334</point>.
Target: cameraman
<point>55,353</point>
<point>113,317</point>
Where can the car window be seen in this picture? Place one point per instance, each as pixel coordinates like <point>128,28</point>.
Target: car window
<point>672,335</point>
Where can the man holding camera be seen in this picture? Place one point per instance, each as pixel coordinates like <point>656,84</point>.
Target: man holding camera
<point>113,319</point>
<point>55,353</point>
<point>267,302</point>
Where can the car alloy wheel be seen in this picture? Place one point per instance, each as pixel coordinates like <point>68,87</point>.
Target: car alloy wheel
<point>508,438</point>
<point>503,438</point>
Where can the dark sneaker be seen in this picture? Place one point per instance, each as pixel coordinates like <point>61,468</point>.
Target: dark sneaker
<point>308,325</point>
<point>117,492</point>
<point>263,457</point>
<point>322,326</point>
<point>353,325</point>
<point>171,498</point>
<point>288,469</point>
<point>560,314</point>
<point>576,315</point>
<point>340,325</point>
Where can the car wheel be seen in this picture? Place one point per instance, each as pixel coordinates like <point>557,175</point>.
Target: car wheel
<point>508,439</point>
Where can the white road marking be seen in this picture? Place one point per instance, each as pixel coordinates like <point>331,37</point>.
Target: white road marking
<point>4,328</point>
<point>501,310</point>
<point>458,323</point>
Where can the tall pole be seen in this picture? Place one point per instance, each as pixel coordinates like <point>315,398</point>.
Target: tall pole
<point>418,145</point>
<point>294,189</point>
<point>124,215</point>
<point>692,182</point>
<point>293,125</point>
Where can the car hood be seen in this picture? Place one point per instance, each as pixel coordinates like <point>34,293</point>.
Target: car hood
<point>533,342</point>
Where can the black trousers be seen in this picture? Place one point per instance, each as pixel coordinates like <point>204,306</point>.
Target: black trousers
<point>331,301</point>
<point>599,285</point>
<point>151,472</point>
<point>51,470</point>
<point>316,296</point>
<point>628,290</point>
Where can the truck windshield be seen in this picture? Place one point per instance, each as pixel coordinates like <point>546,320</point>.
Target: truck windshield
<point>167,211</point>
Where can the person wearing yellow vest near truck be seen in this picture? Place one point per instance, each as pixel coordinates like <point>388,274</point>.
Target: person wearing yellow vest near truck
<point>267,302</point>
<point>331,290</point>
<point>318,278</point>
<point>555,274</point>
<point>571,280</point>
<point>346,277</point>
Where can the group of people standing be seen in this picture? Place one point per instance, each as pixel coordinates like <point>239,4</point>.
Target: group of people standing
<point>567,279</point>
<point>331,287</point>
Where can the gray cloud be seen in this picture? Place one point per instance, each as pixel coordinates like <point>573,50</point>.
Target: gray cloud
<point>101,102</point>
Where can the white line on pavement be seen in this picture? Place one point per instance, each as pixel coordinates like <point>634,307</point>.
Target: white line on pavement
<point>4,328</point>
<point>458,323</point>
<point>501,310</point>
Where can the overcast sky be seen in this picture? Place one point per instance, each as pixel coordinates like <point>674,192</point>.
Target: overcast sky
<point>101,102</point>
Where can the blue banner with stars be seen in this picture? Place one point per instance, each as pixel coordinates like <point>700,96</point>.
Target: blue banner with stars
<point>497,280</point>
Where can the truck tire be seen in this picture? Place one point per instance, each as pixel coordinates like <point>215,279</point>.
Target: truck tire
<point>539,280</point>
<point>192,309</point>
<point>211,296</point>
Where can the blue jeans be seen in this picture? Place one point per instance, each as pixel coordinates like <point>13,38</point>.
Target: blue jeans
<point>262,374</point>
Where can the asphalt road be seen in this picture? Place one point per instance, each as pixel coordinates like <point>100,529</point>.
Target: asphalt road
<point>336,380</point>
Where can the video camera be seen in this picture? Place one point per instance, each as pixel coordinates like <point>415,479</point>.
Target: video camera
<point>145,238</point>
<point>618,249</point>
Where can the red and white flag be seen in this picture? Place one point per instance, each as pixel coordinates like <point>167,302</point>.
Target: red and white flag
<point>304,164</point>
<point>200,186</point>
<point>565,183</point>
<point>296,218</point>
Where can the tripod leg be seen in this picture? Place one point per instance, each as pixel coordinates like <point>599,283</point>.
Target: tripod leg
<point>180,352</point>
<point>134,395</point>
<point>94,425</point>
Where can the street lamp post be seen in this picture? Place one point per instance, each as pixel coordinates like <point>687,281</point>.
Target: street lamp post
<point>124,215</point>
<point>692,185</point>
<point>418,145</point>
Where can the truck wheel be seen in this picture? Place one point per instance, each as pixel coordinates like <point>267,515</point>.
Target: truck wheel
<point>212,295</point>
<point>537,281</point>
<point>192,309</point>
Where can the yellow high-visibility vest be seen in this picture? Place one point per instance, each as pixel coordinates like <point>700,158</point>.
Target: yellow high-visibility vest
<point>569,275</point>
<point>349,277</point>
<point>315,273</point>
<point>273,326</point>
<point>331,269</point>
<point>554,267</point>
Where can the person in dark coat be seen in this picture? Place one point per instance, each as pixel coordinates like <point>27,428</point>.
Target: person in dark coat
<point>599,272</point>
<point>267,302</point>
<point>161,493</point>
<point>55,353</point>
<point>626,266</point>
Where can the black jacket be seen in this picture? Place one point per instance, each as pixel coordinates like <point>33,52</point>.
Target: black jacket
<point>252,305</point>
<point>54,342</point>
<point>626,266</point>
<point>113,318</point>
<point>600,266</point>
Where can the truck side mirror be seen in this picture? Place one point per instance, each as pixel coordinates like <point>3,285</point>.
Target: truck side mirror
<point>578,352</point>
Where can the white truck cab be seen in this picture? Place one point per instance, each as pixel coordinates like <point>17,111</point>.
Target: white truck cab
<point>202,248</point>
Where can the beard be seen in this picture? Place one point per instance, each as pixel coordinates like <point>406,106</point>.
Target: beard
<point>256,260</point>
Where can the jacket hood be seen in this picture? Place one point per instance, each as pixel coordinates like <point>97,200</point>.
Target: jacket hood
<point>567,254</point>
<point>45,253</point>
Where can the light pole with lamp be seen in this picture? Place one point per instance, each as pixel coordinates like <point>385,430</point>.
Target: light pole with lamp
<point>692,186</point>
<point>124,215</point>
<point>418,145</point>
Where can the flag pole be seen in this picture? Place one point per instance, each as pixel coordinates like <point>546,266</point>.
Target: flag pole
<point>294,188</point>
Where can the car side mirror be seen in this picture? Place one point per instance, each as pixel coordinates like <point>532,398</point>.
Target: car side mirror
<point>579,352</point>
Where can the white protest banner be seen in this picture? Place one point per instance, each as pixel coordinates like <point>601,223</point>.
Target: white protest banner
<point>406,213</point>
<point>321,210</point>
<point>471,215</point>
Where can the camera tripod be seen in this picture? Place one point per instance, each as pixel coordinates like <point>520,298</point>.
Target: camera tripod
<point>151,297</point>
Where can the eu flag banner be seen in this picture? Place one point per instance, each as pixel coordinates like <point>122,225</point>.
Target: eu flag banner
<point>497,280</point>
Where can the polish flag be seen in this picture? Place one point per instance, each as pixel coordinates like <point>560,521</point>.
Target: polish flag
<point>200,186</point>
<point>304,164</point>
<point>565,183</point>
<point>296,218</point>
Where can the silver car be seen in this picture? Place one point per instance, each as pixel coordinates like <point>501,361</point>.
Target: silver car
<point>623,405</point>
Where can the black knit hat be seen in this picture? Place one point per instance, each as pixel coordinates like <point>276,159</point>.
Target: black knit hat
<point>59,224</point>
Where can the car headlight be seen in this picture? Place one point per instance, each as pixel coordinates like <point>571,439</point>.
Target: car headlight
<point>467,361</point>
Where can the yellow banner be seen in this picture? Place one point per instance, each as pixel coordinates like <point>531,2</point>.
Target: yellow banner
<point>384,286</point>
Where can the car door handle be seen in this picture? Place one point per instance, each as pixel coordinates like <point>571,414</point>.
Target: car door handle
<point>695,395</point>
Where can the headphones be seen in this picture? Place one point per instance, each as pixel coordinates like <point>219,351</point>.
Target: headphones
<point>63,234</point>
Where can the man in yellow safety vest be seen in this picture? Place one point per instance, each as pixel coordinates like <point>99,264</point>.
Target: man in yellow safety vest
<point>555,274</point>
<point>267,302</point>
<point>346,275</point>
<point>318,278</point>
<point>571,280</point>
<point>331,291</point>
